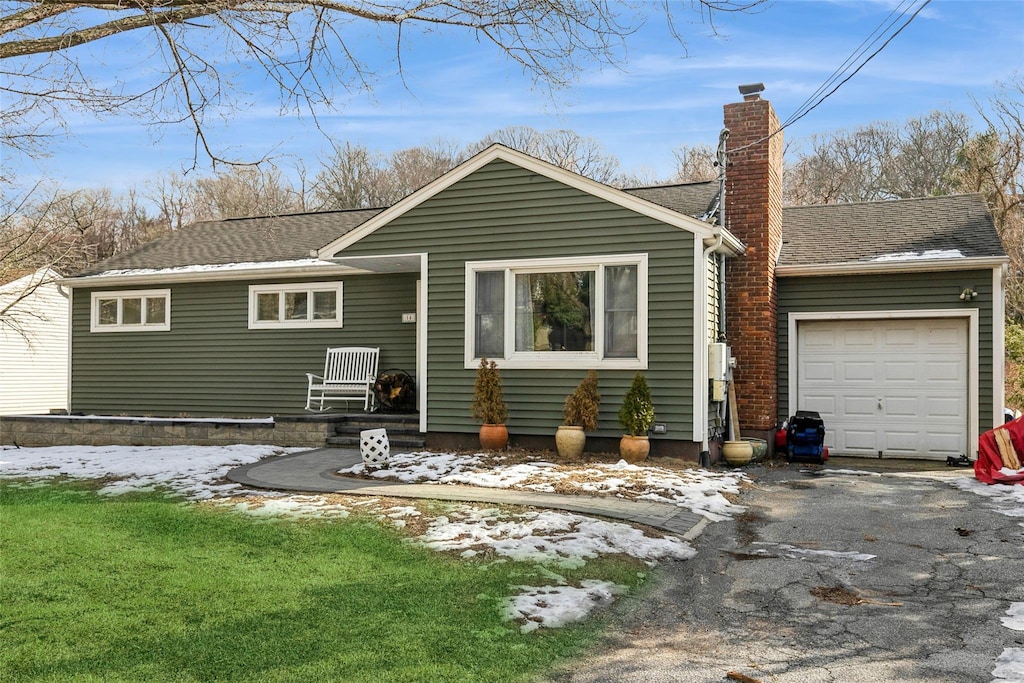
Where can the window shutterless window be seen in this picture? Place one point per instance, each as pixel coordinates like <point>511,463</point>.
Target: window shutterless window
<point>308,304</point>
<point>131,311</point>
<point>557,313</point>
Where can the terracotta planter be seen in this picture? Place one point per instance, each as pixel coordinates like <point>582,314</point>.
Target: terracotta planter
<point>570,440</point>
<point>634,448</point>
<point>737,453</point>
<point>493,437</point>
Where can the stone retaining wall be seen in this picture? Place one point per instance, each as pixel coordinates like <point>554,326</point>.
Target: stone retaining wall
<point>63,430</point>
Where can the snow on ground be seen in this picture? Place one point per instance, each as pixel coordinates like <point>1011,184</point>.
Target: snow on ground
<point>1010,663</point>
<point>1014,618</point>
<point>698,490</point>
<point>793,552</point>
<point>545,538</point>
<point>196,472</point>
<point>554,606</point>
<point>1007,499</point>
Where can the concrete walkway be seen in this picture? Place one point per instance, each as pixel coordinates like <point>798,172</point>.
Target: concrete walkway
<point>315,472</point>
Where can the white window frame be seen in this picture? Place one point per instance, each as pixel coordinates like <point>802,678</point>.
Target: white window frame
<point>545,360</point>
<point>120,296</point>
<point>291,288</point>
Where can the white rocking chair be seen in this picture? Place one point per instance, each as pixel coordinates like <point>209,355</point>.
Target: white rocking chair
<point>349,374</point>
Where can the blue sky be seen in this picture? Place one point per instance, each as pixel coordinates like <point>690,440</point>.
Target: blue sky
<point>459,90</point>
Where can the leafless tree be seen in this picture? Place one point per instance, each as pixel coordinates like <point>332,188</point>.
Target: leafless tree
<point>308,48</point>
<point>993,164</point>
<point>881,161</point>
<point>244,191</point>
<point>695,163</point>
<point>563,148</point>
<point>351,178</point>
<point>354,177</point>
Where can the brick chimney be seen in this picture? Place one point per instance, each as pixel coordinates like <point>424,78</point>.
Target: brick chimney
<point>753,213</point>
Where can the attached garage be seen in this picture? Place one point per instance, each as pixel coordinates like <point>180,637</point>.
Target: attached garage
<point>894,331</point>
<point>896,386</point>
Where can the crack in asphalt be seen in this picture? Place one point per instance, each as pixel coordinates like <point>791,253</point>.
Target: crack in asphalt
<point>724,611</point>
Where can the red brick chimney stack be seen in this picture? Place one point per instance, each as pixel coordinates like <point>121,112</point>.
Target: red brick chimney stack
<point>753,213</point>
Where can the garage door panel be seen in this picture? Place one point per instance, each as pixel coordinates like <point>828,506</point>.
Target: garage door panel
<point>950,408</point>
<point>944,443</point>
<point>901,407</point>
<point>945,372</point>
<point>899,370</point>
<point>822,338</point>
<point>824,371</point>
<point>858,339</point>
<point>946,337</point>
<point>858,406</point>
<point>895,386</point>
<point>858,371</point>
<point>823,405</point>
<point>855,440</point>
<point>897,338</point>
<point>902,441</point>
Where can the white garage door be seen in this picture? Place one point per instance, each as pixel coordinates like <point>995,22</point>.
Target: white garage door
<point>892,387</point>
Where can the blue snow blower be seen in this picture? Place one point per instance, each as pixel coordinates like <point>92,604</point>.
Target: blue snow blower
<point>805,438</point>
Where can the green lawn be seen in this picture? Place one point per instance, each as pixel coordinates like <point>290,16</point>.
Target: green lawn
<point>145,588</point>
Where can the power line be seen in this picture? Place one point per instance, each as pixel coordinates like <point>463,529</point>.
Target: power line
<point>814,101</point>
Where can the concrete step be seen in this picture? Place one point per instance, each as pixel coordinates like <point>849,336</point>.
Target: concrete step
<point>396,441</point>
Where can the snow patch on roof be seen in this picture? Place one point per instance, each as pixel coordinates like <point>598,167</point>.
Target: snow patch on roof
<point>218,267</point>
<point>927,255</point>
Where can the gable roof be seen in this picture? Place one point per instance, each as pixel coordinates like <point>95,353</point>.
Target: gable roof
<point>610,194</point>
<point>908,233</point>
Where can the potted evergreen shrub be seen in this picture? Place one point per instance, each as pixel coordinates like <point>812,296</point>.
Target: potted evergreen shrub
<point>489,406</point>
<point>636,417</point>
<point>580,416</point>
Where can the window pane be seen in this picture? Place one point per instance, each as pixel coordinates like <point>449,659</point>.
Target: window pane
<point>325,305</point>
<point>266,306</point>
<point>108,311</point>
<point>156,310</point>
<point>555,311</point>
<point>131,311</point>
<point>489,325</point>
<point>295,305</point>
<point>620,318</point>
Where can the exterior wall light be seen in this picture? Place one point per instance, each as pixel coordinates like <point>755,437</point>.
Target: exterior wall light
<point>968,294</point>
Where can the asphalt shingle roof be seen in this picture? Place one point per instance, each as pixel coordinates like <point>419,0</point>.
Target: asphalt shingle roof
<point>895,230</point>
<point>690,199</point>
<point>239,240</point>
<point>812,235</point>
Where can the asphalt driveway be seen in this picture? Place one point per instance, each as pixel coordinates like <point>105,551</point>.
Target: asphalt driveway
<point>787,592</point>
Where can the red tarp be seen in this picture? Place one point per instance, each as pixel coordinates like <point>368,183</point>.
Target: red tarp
<point>989,463</point>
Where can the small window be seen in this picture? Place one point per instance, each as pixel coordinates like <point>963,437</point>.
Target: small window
<point>311,304</point>
<point>131,311</point>
<point>558,313</point>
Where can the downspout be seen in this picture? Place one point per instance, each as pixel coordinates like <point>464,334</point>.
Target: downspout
<point>722,161</point>
<point>720,221</point>
<point>705,442</point>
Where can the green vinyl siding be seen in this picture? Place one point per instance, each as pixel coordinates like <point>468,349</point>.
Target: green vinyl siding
<point>211,364</point>
<point>895,292</point>
<point>505,212</point>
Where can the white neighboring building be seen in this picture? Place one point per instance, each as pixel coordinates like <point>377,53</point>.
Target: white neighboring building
<point>33,345</point>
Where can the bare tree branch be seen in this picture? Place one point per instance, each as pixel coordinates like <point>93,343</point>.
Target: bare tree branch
<point>303,47</point>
